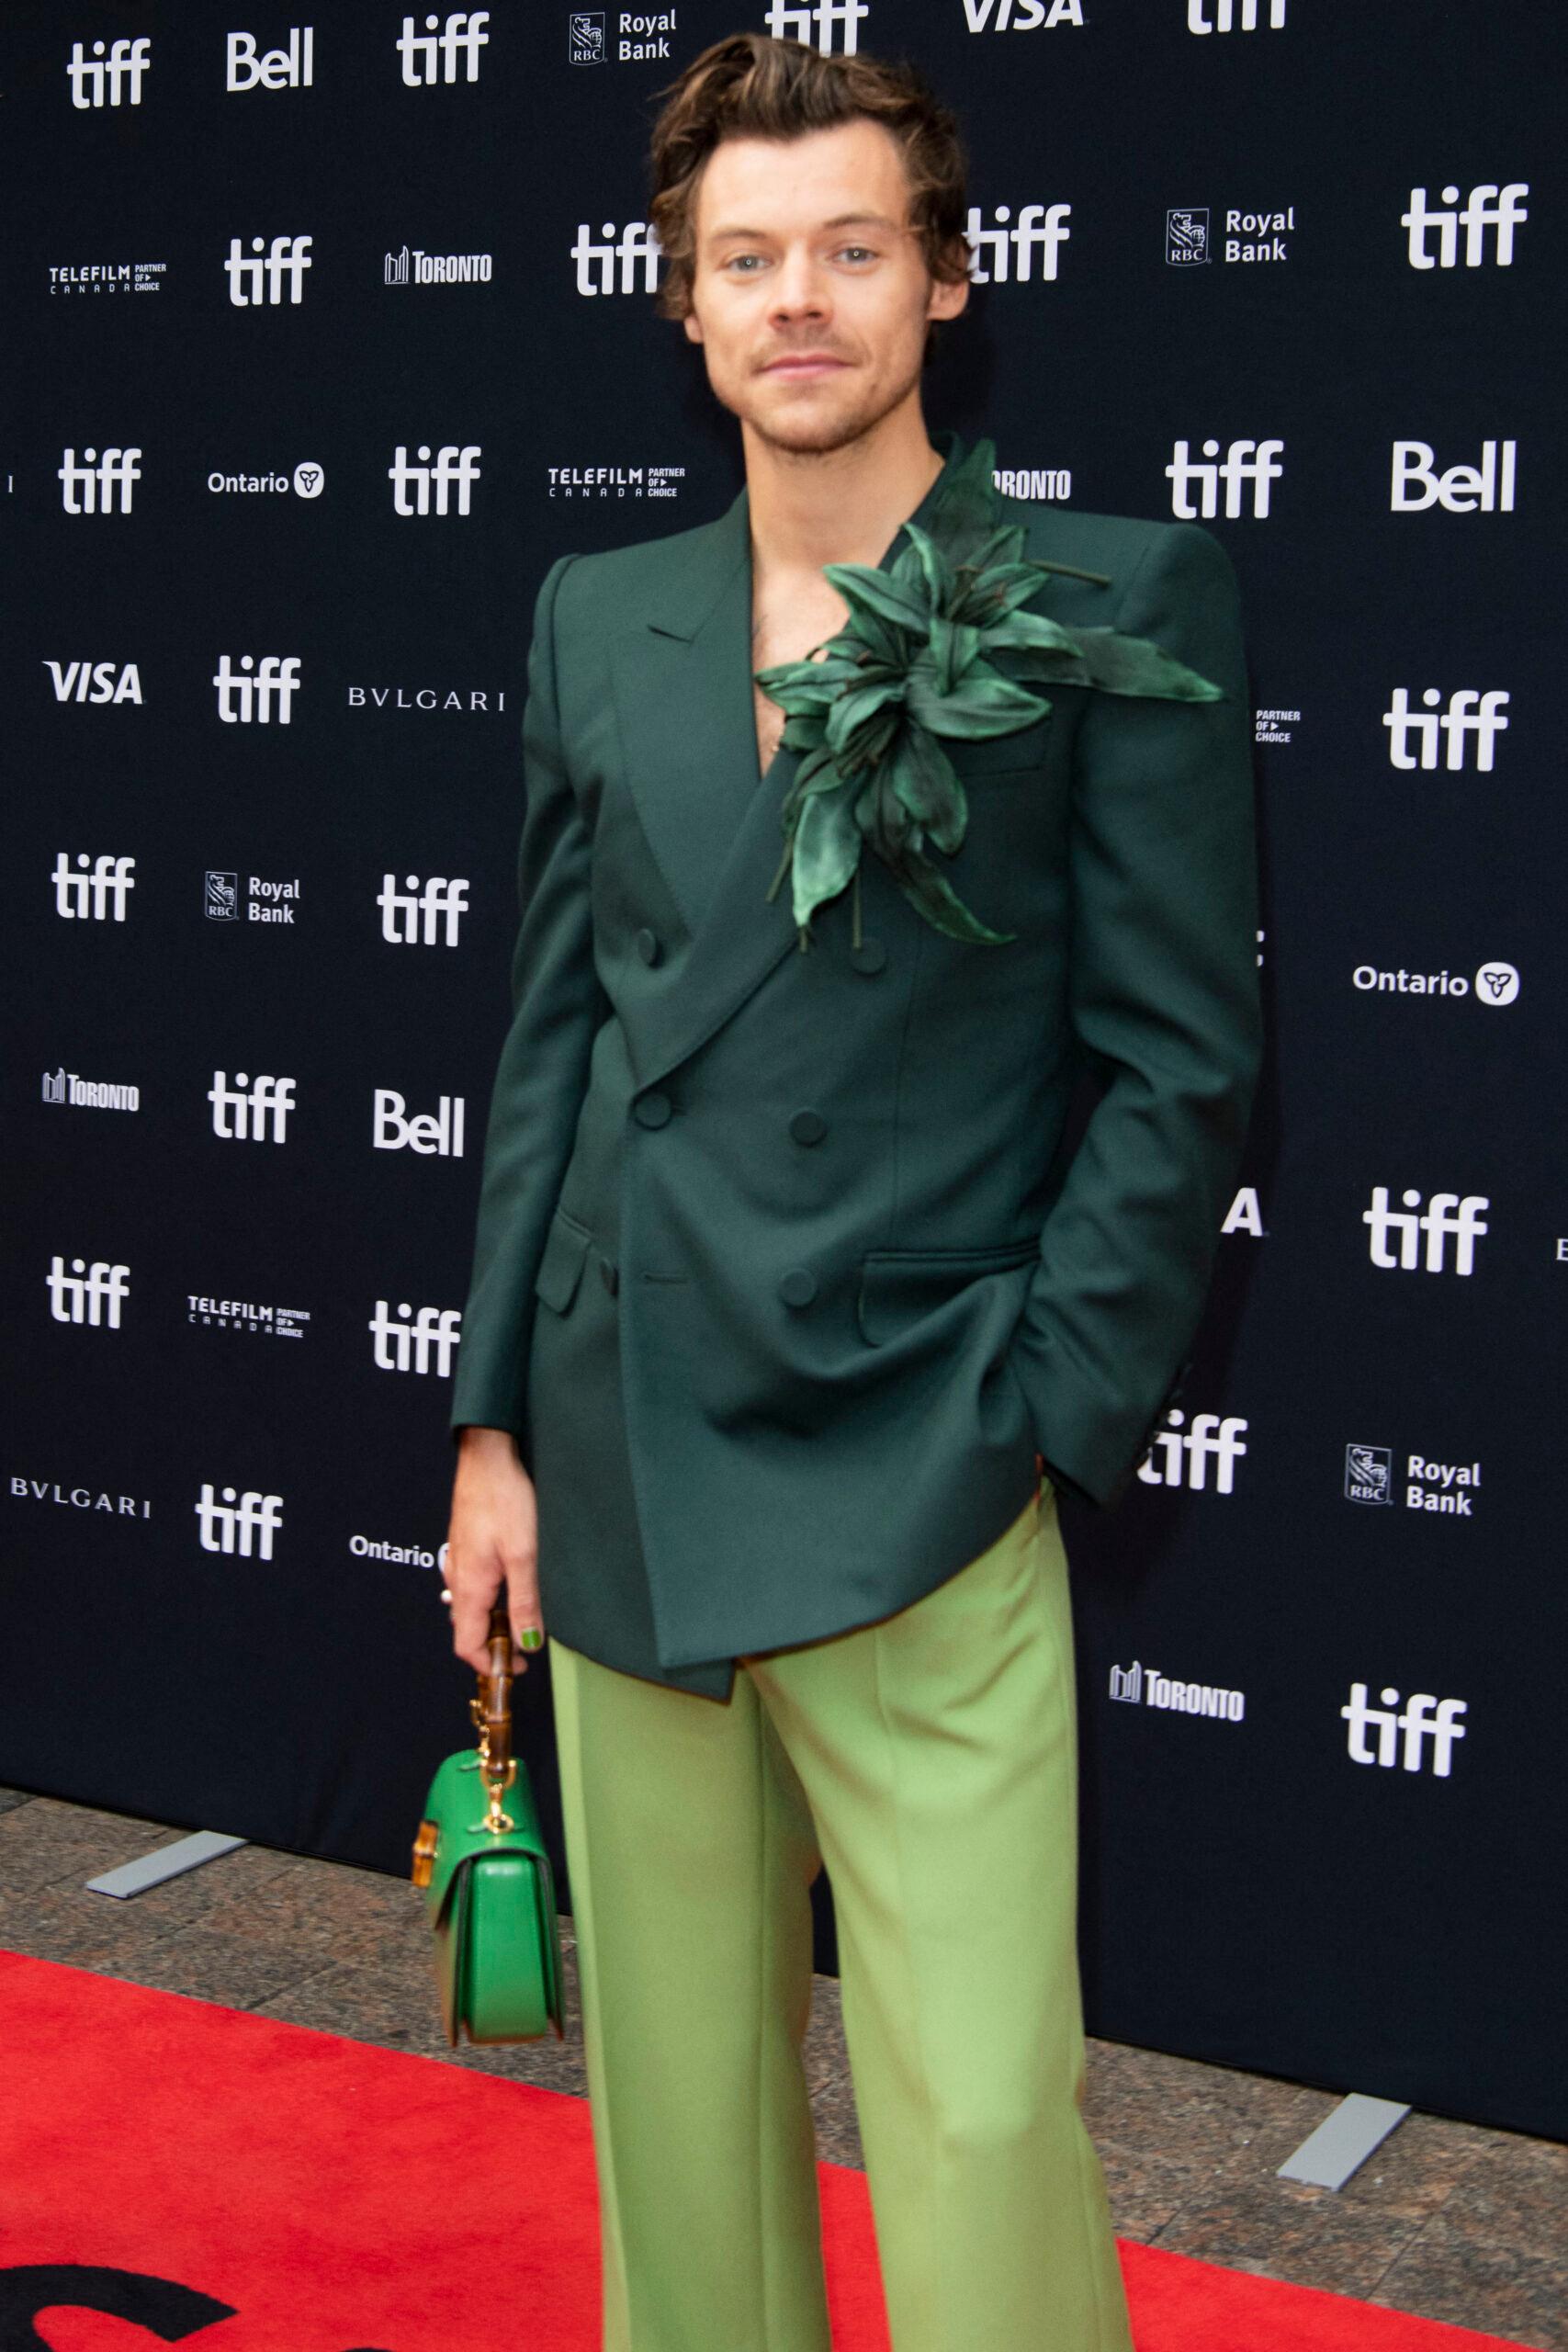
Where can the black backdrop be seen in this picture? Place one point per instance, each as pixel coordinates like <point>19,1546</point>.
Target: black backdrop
<point>227,1467</point>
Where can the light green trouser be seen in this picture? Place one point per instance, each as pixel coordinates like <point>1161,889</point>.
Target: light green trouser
<point>930,1760</point>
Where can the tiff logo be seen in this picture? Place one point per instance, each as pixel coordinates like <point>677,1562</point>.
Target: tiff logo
<point>823,17</point>
<point>246,696</point>
<point>1233,15</point>
<point>1489,207</point>
<point>1236,469</point>
<point>256,1108</point>
<point>1187,1453</point>
<point>408,1342</point>
<point>1039,228</point>
<point>99,80</point>
<point>90,1295</point>
<point>464,31</point>
<point>1446,1215</point>
<point>241,1525</point>
<point>412,920</point>
<point>97,478</point>
<point>1425,1718</point>
<point>451,465</point>
<point>95,894</point>
<point>1470,712</point>
<point>260,279</point>
<point>1462,489</point>
<point>596,272</point>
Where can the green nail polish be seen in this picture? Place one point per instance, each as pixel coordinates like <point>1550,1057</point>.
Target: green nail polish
<point>532,1639</point>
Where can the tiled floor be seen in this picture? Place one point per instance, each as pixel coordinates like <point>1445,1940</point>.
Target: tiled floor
<point>1449,2221</point>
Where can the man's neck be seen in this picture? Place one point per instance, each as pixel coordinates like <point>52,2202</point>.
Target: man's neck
<point>808,508</point>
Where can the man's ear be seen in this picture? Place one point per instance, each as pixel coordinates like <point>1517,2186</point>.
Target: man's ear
<point>693,331</point>
<point>949,296</point>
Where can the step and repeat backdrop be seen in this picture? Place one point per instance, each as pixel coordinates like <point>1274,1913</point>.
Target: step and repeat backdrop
<point>333,333</point>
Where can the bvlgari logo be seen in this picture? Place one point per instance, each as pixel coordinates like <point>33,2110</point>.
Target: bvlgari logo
<point>463,701</point>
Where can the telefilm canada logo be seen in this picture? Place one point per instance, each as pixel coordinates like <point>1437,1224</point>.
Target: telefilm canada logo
<point>1139,1685</point>
<point>615,482</point>
<point>256,1320</point>
<point>108,277</point>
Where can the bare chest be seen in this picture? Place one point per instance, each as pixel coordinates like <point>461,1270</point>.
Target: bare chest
<point>786,626</point>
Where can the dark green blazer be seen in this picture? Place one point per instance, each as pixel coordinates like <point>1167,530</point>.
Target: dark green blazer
<point>782,1274</point>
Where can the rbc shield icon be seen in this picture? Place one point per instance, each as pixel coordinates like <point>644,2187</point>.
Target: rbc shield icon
<point>222,896</point>
<point>1186,236</point>
<point>586,37</point>
<point>1369,1474</point>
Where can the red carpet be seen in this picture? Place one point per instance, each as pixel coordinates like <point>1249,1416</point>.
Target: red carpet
<point>172,2171</point>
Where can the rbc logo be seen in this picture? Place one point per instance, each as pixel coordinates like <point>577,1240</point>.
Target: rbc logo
<point>1470,712</point>
<point>258,278</point>
<point>1186,236</point>
<point>1237,467</point>
<point>585,37</point>
<point>1446,1216</point>
<point>823,17</point>
<point>1369,1474</point>
<point>1038,226</point>
<point>463,31</point>
<point>1425,1718</point>
<point>1489,207</point>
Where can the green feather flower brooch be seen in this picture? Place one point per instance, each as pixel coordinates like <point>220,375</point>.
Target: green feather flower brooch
<point>916,664</point>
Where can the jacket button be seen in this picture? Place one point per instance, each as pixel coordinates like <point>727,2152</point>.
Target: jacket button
<point>652,1110</point>
<point>869,956</point>
<point>798,1287</point>
<point>808,1126</point>
<point>610,1276</point>
<point>647,945</point>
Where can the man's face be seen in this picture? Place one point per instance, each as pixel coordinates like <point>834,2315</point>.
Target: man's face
<point>810,293</point>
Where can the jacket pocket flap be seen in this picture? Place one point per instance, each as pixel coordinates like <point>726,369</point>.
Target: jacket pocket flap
<point>897,1286</point>
<point>560,1268</point>
<point>1000,754</point>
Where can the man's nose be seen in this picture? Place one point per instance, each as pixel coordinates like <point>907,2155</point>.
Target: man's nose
<point>800,288</point>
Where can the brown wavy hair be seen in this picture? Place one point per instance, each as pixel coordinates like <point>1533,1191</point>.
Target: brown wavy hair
<point>750,85</point>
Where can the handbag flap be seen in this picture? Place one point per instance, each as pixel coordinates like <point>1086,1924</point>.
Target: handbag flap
<point>456,1804</point>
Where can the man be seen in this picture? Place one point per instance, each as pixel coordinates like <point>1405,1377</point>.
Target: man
<point>787,1291</point>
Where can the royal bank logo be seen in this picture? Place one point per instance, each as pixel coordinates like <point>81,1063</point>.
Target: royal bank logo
<point>1489,216</point>
<point>272,902</point>
<point>824,25</point>
<point>423,1342</point>
<point>1468,716</point>
<point>1005,253</point>
<point>1494,985</point>
<point>1236,16</point>
<point>1403,1738</point>
<point>611,263</point>
<point>1248,471</point>
<point>93,890</point>
<point>416,267</point>
<point>98,484</point>
<point>585,37</point>
<point>1423,1235</point>
<point>274,273</point>
<point>241,1525</point>
<point>86,681</point>
<point>1485,488</point>
<point>435,54</point>
<point>439,483</point>
<point>426,916</point>
<point>1369,1474</point>
<point>1137,1685</point>
<point>1186,236</point>
<point>90,1295</point>
<point>279,69</point>
<point>1182,1455</point>
<point>1023,16</point>
<point>64,1086</point>
<point>108,277</point>
<point>112,75</point>
<point>251,1110</point>
<point>259,691</point>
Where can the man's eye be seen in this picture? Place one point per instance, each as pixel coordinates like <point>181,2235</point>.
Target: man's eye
<point>735,259</point>
<point>863,253</point>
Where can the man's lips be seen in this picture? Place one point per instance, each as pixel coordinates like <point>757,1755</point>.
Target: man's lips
<point>805,363</point>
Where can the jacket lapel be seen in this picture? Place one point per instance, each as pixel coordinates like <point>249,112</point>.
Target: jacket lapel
<point>682,686</point>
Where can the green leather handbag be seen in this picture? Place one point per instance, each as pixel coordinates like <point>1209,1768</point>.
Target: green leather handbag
<point>490,1896</point>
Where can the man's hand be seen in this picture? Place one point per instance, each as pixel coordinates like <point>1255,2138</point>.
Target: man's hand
<point>492,1540</point>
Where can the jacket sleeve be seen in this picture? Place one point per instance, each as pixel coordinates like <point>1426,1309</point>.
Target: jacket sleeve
<point>1163,1003</point>
<point>542,1076</point>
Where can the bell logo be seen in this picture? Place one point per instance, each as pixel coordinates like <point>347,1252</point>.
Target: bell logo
<point>1253,462</point>
<point>1446,1216</point>
<point>432,56</point>
<point>1487,489</point>
<point>1425,1718</point>
<point>822,18</point>
<point>1469,712</point>
<point>1489,207</point>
